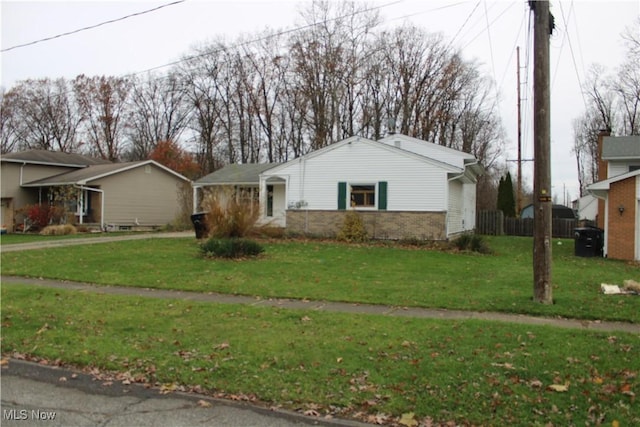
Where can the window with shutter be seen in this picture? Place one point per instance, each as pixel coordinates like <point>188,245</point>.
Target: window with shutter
<point>342,196</point>
<point>382,195</point>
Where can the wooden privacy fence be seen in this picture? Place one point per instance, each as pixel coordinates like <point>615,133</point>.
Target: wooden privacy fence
<point>494,223</point>
<point>490,222</point>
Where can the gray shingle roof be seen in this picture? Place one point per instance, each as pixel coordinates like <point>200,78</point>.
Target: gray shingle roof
<point>80,175</point>
<point>236,174</point>
<point>621,147</point>
<point>53,158</point>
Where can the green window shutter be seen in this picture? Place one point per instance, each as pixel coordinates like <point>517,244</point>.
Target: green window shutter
<point>382,195</point>
<point>342,196</point>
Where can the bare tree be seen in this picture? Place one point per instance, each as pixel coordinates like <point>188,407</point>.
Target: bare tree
<point>103,103</point>
<point>268,68</point>
<point>627,85</point>
<point>323,58</point>
<point>159,112</point>
<point>8,126</point>
<point>40,114</point>
<point>600,96</point>
<point>198,72</point>
<point>585,147</point>
<point>286,96</point>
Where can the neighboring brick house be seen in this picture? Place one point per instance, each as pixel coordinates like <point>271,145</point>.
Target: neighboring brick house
<point>618,191</point>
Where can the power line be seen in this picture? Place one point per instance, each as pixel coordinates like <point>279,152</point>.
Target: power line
<point>493,63</point>
<point>92,26</point>
<point>267,37</point>
<point>573,57</point>
<point>428,10</point>
<point>464,24</point>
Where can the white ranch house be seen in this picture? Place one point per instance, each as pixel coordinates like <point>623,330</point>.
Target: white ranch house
<point>403,187</point>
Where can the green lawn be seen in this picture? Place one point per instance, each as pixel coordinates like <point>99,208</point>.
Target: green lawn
<point>379,274</point>
<point>372,368</point>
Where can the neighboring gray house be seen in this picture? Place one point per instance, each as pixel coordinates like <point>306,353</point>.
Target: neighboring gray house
<point>557,212</point>
<point>242,177</point>
<point>113,195</point>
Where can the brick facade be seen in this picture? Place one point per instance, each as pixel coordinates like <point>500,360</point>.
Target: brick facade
<point>621,231</point>
<point>379,224</point>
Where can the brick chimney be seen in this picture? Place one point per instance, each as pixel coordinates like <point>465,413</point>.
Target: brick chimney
<point>603,170</point>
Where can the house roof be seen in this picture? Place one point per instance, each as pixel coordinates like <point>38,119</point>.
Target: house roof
<point>457,167</point>
<point>557,211</point>
<point>54,158</point>
<point>236,174</point>
<point>601,188</point>
<point>621,147</point>
<point>427,149</point>
<point>91,173</point>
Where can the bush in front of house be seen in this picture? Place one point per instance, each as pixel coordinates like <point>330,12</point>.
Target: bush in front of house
<point>58,230</point>
<point>471,242</point>
<point>230,213</point>
<point>353,229</point>
<point>231,248</point>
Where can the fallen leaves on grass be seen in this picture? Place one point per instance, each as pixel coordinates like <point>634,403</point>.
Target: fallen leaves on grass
<point>408,419</point>
<point>222,346</point>
<point>560,388</point>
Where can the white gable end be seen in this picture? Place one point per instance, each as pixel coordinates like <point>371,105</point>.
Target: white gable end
<point>414,183</point>
<point>429,150</point>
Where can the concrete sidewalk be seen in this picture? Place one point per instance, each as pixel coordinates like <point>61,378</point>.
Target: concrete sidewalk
<point>354,308</point>
<point>44,244</point>
<point>36,395</point>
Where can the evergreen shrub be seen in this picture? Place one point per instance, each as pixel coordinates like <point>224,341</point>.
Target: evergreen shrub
<point>231,248</point>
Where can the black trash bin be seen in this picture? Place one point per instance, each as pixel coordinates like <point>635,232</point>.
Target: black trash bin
<point>200,224</point>
<point>589,242</point>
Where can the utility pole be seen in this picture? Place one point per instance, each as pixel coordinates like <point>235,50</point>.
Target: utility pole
<point>519,187</point>
<point>542,201</point>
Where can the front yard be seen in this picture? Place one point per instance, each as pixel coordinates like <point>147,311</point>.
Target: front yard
<point>372,368</point>
<point>378,274</point>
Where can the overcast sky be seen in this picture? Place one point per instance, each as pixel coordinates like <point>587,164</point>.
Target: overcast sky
<point>488,31</point>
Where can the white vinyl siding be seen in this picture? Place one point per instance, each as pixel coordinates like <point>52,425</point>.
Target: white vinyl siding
<point>469,206</point>
<point>616,168</point>
<point>455,214</point>
<point>428,149</point>
<point>414,185</point>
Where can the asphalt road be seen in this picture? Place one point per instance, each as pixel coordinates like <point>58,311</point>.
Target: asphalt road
<point>36,395</point>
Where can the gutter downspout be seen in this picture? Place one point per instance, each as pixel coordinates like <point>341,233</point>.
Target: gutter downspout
<point>447,197</point>
<point>97,190</point>
<point>21,173</point>
<point>194,189</point>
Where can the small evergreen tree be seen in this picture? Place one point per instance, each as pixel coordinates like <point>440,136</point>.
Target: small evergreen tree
<point>506,200</point>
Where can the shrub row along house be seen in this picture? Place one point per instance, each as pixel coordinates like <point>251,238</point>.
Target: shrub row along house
<point>402,187</point>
